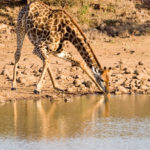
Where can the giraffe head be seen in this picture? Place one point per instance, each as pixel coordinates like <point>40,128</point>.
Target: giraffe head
<point>102,78</point>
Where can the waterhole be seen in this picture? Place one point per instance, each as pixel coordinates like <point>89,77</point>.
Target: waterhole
<point>85,123</point>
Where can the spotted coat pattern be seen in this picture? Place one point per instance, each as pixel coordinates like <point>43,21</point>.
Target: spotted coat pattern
<point>47,30</point>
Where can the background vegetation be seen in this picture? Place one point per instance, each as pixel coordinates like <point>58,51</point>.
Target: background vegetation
<point>112,17</point>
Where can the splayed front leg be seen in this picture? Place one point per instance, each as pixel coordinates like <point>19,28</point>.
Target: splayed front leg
<point>55,86</point>
<point>40,83</point>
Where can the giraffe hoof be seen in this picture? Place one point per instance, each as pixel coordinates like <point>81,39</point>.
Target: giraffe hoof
<point>13,89</point>
<point>36,92</point>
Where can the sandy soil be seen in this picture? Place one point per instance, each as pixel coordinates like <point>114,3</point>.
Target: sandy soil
<point>129,58</point>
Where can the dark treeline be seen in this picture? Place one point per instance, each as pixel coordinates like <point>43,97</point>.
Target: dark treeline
<point>12,3</point>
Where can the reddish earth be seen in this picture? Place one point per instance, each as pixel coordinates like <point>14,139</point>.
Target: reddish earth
<point>129,58</point>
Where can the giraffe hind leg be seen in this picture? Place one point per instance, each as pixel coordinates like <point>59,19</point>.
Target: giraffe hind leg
<point>20,38</point>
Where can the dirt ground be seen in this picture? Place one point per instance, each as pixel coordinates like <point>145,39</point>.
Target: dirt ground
<point>128,57</point>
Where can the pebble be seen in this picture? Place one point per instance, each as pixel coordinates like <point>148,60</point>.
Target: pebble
<point>77,82</point>
<point>71,89</point>
<point>123,90</point>
<point>140,63</point>
<point>87,84</point>
<point>22,80</point>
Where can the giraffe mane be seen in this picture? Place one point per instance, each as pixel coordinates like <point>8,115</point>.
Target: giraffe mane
<point>85,39</point>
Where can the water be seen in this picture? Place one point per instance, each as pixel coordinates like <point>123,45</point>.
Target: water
<point>86,123</point>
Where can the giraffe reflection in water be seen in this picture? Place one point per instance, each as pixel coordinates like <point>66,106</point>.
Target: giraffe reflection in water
<point>43,118</point>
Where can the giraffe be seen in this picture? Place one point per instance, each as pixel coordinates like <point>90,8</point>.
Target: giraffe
<point>48,29</point>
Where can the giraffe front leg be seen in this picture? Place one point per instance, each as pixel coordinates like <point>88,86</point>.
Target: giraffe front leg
<point>66,56</point>
<point>40,82</point>
<point>55,86</point>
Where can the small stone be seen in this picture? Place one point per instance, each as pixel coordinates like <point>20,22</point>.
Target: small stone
<point>58,77</point>
<point>3,26</point>
<point>75,76</point>
<point>71,89</point>
<point>33,79</point>
<point>77,82</point>
<point>41,69</point>
<point>142,76</point>
<point>128,70</point>
<point>87,84</point>
<point>140,63</point>
<point>148,83</point>
<point>144,87</point>
<point>96,6</point>
<point>137,72</point>
<point>21,80</point>
<point>5,72</point>
<point>120,81</point>
<point>59,70</point>
<point>117,92</point>
<point>117,53</point>
<point>132,51</point>
<point>123,90</point>
<point>12,63</point>
<point>25,59</point>
<point>69,78</point>
<point>148,91</point>
<point>25,72</point>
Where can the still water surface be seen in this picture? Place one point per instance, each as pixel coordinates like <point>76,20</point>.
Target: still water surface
<point>86,123</point>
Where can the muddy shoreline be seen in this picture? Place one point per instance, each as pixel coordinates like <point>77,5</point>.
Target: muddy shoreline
<point>129,59</point>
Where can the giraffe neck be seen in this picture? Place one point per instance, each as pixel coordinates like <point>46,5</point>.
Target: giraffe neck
<point>78,39</point>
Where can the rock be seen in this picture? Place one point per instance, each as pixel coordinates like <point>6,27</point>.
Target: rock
<point>11,63</point>
<point>75,76</point>
<point>25,72</point>
<point>41,69</point>
<point>96,6</point>
<point>32,79</point>
<point>5,72</point>
<point>71,89</point>
<point>22,80</point>
<point>59,70</point>
<point>132,51</point>
<point>142,76</point>
<point>112,89</point>
<point>87,84</point>
<point>148,91</point>
<point>137,72</point>
<point>122,90</point>
<point>128,70</point>
<point>144,87</point>
<point>69,78</point>
<point>3,28</point>
<point>118,93</point>
<point>77,82</point>
<point>148,83</point>
<point>58,77</point>
<point>140,63</point>
<point>120,81</point>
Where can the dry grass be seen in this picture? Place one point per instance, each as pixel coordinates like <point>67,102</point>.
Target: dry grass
<point>118,14</point>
